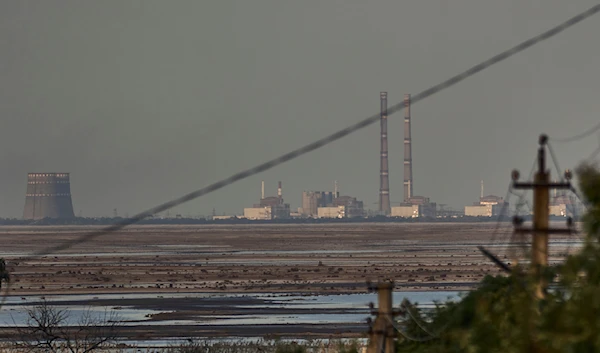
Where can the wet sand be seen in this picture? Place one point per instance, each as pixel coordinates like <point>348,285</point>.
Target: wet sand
<point>314,258</point>
<point>309,259</point>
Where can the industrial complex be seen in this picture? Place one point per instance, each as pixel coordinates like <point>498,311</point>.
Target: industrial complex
<point>49,194</point>
<point>269,208</point>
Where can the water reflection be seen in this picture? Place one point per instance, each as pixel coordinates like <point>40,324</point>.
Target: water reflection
<point>208,308</point>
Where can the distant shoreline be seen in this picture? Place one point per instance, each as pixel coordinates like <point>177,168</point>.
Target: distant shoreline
<point>104,221</point>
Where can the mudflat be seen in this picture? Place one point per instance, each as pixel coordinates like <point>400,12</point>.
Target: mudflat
<point>296,259</point>
<point>336,258</point>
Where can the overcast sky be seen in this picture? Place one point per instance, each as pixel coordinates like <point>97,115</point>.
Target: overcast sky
<point>143,101</point>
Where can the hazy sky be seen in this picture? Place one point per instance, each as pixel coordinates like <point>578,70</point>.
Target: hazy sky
<point>143,101</point>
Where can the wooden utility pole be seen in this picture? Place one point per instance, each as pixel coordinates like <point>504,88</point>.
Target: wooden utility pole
<point>541,209</point>
<point>382,333</point>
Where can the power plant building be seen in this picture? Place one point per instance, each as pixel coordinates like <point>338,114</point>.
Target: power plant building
<point>415,207</point>
<point>269,207</point>
<point>488,206</point>
<point>342,207</point>
<point>483,210</point>
<point>312,200</point>
<point>563,206</point>
<point>331,212</point>
<point>48,196</point>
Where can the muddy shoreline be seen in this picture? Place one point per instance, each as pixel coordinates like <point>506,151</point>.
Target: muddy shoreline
<point>287,259</point>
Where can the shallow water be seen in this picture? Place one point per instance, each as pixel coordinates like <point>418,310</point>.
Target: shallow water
<point>302,309</point>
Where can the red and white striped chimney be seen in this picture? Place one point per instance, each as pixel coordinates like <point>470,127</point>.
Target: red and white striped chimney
<point>279,191</point>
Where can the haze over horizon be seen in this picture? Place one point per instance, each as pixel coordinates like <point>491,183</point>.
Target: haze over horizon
<point>144,101</point>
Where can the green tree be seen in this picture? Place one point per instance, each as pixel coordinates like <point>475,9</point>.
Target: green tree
<point>502,315</point>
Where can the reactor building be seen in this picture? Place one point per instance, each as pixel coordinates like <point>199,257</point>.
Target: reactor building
<point>268,208</point>
<point>327,204</point>
<point>48,196</point>
<point>562,205</point>
<point>313,200</point>
<point>342,207</point>
<point>488,206</point>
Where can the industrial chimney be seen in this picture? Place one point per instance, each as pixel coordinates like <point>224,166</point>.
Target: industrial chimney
<point>481,190</point>
<point>335,190</point>
<point>262,190</point>
<point>48,196</point>
<point>384,182</point>
<point>279,193</point>
<point>408,180</point>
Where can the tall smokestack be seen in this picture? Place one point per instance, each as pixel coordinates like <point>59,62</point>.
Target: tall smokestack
<point>384,181</point>
<point>279,190</point>
<point>262,190</point>
<point>408,180</point>
<point>481,189</point>
<point>335,189</point>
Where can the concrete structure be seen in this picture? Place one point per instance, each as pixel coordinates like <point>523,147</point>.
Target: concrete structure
<point>271,207</point>
<point>483,210</point>
<point>331,212</point>
<point>416,206</point>
<point>258,213</point>
<point>488,206</point>
<point>352,207</point>
<point>559,210</point>
<point>384,181</point>
<point>342,207</point>
<point>48,196</point>
<point>563,206</point>
<point>312,200</point>
<point>408,175</point>
<point>406,211</point>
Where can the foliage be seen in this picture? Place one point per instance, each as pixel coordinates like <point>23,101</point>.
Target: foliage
<point>503,315</point>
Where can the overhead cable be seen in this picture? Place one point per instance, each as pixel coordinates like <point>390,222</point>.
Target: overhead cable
<point>578,136</point>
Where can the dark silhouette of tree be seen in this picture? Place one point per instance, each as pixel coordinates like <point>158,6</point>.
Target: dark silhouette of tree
<point>4,275</point>
<point>47,329</point>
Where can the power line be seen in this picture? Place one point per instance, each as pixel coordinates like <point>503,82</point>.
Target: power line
<point>593,155</point>
<point>559,171</point>
<point>578,136</point>
<point>326,140</point>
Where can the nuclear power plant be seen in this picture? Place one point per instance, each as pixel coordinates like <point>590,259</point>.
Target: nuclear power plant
<point>48,196</point>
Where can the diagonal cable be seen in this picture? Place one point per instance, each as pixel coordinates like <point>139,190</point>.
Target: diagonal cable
<point>326,140</point>
<point>578,136</point>
<point>559,171</point>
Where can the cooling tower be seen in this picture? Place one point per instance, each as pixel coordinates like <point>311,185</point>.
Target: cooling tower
<point>48,196</point>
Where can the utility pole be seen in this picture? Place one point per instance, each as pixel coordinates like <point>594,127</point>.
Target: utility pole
<point>540,231</point>
<point>382,333</point>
